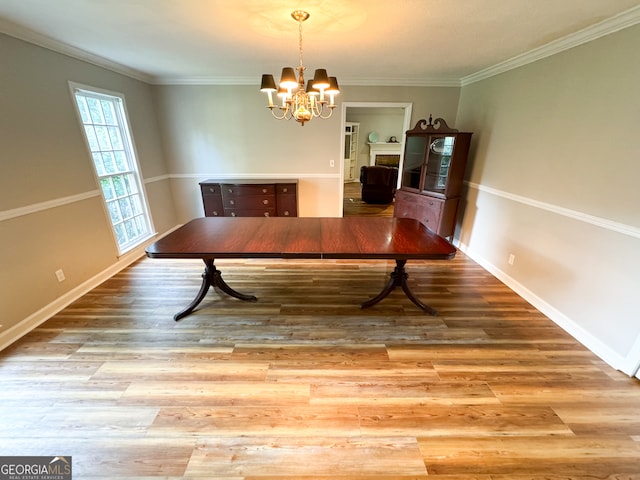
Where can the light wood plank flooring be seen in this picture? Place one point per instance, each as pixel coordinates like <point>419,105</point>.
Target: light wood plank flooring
<point>352,204</point>
<point>303,384</point>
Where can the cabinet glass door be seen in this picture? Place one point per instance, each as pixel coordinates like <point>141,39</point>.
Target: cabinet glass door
<point>413,159</point>
<point>438,163</point>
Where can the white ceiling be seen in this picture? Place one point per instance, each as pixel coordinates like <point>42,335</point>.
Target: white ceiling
<point>362,42</point>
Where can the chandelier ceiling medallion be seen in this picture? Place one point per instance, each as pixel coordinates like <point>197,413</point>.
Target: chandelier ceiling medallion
<point>298,102</point>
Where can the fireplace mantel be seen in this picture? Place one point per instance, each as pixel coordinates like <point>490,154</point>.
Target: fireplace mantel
<point>383,148</point>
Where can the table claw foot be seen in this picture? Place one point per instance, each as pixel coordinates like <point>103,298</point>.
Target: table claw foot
<point>212,277</point>
<point>222,285</point>
<point>398,278</point>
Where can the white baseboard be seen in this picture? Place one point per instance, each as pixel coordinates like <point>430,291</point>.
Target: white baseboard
<point>17,331</point>
<point>572,328</point>
<point>632,363</point>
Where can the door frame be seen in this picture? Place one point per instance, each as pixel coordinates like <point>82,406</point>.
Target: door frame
<point>406,106</point>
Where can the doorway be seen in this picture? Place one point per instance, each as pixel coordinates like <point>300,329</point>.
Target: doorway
<point>375,123</point>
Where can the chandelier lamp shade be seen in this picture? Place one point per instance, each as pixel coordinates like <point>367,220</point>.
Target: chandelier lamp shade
<point>299,101</point>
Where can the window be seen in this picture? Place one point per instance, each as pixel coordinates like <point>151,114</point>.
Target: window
<point>106,130</point>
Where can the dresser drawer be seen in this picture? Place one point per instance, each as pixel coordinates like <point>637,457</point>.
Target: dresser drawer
<point>429,214</point>
<point>210,189</point>
<point>249,202</point>
<point>212,206</point>
<point>286,189</point>
<point>211,200</point>
<point>235,190</point>
<point>404,208</point>
<point>287,206</point>
<point>249,212</point>
<point>427,210</point>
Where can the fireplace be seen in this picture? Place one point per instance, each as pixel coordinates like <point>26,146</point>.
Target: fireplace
<point>385,154</point>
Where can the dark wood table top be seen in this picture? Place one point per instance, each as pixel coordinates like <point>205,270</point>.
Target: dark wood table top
<point>303,237</point>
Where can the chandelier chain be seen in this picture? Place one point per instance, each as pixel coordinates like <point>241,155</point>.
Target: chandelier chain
<point>300,41</point>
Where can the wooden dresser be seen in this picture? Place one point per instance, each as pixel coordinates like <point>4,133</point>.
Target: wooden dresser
<point>249,198</point>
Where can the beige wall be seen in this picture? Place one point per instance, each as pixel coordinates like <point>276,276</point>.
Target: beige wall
<point>554,181</point>
<point>226,131</point>
<point>51,215</point>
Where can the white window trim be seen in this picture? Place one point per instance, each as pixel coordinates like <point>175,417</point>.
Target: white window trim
<point>73,88</point>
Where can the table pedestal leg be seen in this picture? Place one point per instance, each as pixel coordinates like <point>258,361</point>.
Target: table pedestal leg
<point>211,277</point>
<point>398,278</point>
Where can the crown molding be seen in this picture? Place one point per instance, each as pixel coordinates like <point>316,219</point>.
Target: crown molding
<point>366,82</point>
<point>205,80</point>
<point>619,22</point>
<point>49,43</point>
<point>401,82</point>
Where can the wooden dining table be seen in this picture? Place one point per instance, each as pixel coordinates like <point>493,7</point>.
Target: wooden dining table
<point>210,238</point>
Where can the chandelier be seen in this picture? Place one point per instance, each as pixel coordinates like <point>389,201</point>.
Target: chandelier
<point>298,102</point>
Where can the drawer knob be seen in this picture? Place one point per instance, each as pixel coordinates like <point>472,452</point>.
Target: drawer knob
<point>286,213</point>
<point>231,190</point>
<point>265,202</point>
<point>215,214</point>
<point>285,189</point>
<point>266,214</point>
<point>264,190</point>
<point>232,202</point>
<point>430,203</point>
<point>233,214</point>
<point>212,190</point>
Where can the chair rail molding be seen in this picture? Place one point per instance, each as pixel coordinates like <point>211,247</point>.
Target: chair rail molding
<point>566,212</point>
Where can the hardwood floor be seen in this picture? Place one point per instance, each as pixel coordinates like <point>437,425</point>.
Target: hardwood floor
<point>354,206</point>
<point>303,384</point>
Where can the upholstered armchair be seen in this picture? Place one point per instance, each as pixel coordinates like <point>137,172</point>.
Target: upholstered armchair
<point>378,183</point>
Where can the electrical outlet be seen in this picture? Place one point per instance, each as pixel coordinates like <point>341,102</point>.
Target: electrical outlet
<point>60,275</point>
<point>332,163</point>
<point>512,258</point>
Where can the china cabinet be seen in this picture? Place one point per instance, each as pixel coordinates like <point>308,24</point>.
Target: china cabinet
<point>435,158</point>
